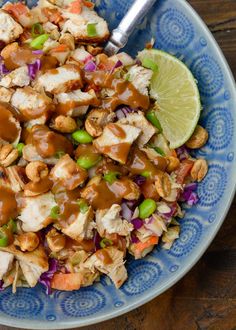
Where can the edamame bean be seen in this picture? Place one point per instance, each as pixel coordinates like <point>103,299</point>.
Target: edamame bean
<point>81,136</point>
<point>146,208</point>
<point>88,161</point>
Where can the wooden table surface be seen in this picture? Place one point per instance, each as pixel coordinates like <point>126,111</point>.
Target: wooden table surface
<point>205,298</point>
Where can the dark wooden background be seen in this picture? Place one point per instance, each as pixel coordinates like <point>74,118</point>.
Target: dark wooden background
<point>205,299</point>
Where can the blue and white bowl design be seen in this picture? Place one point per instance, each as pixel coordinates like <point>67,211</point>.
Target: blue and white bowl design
<point>178,30</point>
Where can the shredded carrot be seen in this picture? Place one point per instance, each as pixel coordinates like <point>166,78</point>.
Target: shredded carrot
<point>88,4</point>
<point>66,282</point>
<point>16,9</point>
<point>144,245</point>
<point>75,7</point>
<point>59,49</point>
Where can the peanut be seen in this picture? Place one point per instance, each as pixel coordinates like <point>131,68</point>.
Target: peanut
<point>55,240</point>
<point>27,241</point>
<point>173,163</point>
<point>64,124</point>
<point>199,170</point>
<point>198,139</point>
<point>163,185</point>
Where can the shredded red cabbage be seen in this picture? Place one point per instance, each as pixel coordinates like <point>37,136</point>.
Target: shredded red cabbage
<point>1,285</point>
<point>131,204</point>
<point>137,223</point>
<point>37,52</point>
<point>126,212</point>
<point>138,62</point>
<point>90,66</point>
<point>46,277</point>
<point>188,195</point>
<point>97,239</point>
<point>34,68</point>
<point>182,153</point>
<point>117,65</point>
<point>3,69</point>
<point>139,179</point>
<point>134,238</point>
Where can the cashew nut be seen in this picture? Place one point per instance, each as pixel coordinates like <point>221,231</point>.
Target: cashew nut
<point>96,120</point>
<point>36,171</point>
<point>163,184</point>
<point>64,124</point>
<point>55,240</point>
<point>173,163</point>
<point>8,155</point>
<point>199,170</point>
<point>198,139</point>
<point>27,241</point>
<point>67,39</point>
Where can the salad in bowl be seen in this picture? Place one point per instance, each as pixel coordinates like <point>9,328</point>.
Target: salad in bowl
<point>95,151</point>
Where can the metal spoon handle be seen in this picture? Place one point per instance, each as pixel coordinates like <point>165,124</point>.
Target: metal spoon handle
<point>120,35</point>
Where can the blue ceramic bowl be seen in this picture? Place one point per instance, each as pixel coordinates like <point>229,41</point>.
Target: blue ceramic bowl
<point>178,30</point>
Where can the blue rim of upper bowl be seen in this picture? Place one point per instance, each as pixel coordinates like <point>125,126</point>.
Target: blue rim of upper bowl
<point>175,278</point>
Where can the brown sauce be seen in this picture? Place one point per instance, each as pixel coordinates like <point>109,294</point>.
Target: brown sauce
<point>48,62</point>
<point>40,187</point>
<point>8,127</point>
<point>117,151</point>
<point>125,92</point>
<point>8,205</point>
<point>117,130</point>
<point>47,142</point>
<point>139,163</point>
<point>18,57</point>
<point>104,256</point>
<point>69,207</point>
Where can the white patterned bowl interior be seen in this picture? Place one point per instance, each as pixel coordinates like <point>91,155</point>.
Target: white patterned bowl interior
<point>178,30</point>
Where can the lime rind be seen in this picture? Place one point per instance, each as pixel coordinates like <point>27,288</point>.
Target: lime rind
<point>176,94</point>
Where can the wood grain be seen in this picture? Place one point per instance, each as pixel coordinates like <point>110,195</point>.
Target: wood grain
<point>205,299</point>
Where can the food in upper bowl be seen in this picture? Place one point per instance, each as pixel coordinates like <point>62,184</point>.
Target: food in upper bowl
<point>94,150</point>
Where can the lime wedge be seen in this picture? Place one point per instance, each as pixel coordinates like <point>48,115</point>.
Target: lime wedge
<point>177,97</point>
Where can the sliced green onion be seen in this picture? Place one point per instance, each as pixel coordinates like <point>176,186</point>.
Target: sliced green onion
<point>147,208</point>
<point>36,30</point>
<point>91,29</point>
<point>146,174</point>
<point>150,64</point>
<point>20,147</point>
<point>12,226</point>
<point>55,212</point>
<point>38,42</point>
<point>82,136</point>
<point>127,78</point>
<point>111,177</point>
<point>59,154</point>
<point>105,242</point>
<point>88,161</point>
<point>159,151</point>
<point>4,241</point>
<point>83,206</point>
<point>151,116</point>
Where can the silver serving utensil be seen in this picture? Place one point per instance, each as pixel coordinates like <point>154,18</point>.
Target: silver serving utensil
<point>120,35</point>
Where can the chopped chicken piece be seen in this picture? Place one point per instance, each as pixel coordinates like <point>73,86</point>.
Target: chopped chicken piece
<point>116,141</point>
<point>68,173</point>
<point>140,77</point>
<point>124,58</point>
<point>109,221</point>
<point>77,24</point>
<point>6,260</point>
<point>113,267</point>
<point>61,80</point>
<point>33,264</point>
<point>24,16</point>
<point>37,121</point>
<point>82,227</point>
<point>31,104</point>
<point>10,30</point>
<point>6,94</point>
<point>75,103</point>
<point>18,77</point>
<point>138,120</point>
<point>35,211</point>
<point>81,55</point>
<point>30,154</point>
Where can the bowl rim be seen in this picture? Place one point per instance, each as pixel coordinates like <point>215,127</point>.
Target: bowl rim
<point>77,323</point>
